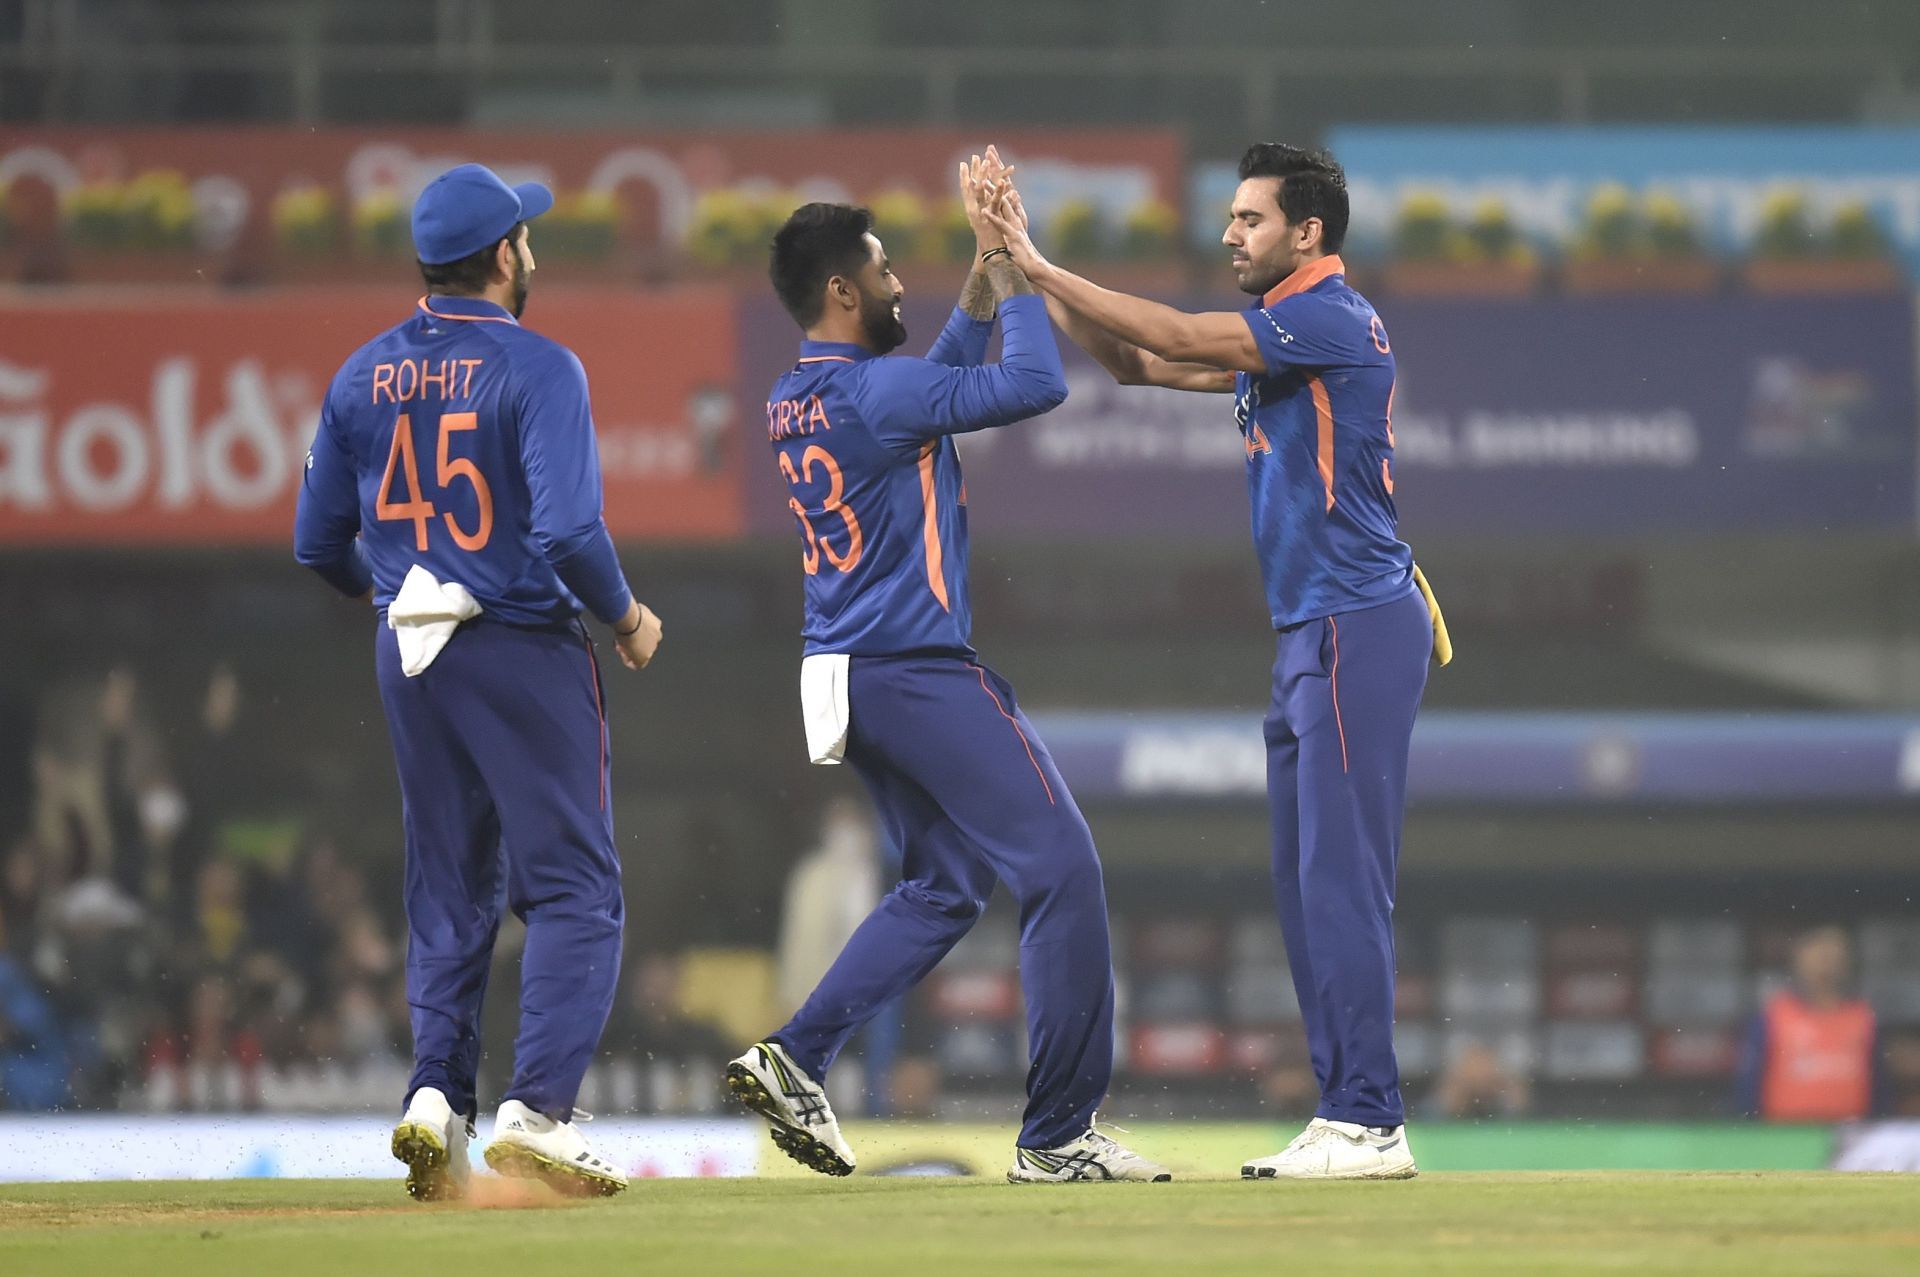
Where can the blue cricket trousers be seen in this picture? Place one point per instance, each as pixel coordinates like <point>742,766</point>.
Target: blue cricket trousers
<point>1345,691</point>
<point>965,788</point>
<point>501,746</point>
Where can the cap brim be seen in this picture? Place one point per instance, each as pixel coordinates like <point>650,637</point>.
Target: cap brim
<point>535,199</point>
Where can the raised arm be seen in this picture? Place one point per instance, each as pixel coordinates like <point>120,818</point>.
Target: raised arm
<point>963,342</point>
<point>911,402</point>
<point>1129,364</point>
<point>1217,340</point>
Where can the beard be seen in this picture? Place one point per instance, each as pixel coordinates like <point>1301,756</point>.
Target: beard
<point>884,332</point>
<point>1259,279</point>
<point>521,275</point>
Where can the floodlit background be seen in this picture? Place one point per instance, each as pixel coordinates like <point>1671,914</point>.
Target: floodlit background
<point>1649,270</point>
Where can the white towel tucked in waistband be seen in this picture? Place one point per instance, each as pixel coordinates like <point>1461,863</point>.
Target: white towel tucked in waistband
<point>823,704</point>
<point>424,616</point>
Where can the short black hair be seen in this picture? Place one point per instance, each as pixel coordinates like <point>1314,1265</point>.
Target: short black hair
<point>818,242</point>
<point>1312,184</point>
<point>469,275</point>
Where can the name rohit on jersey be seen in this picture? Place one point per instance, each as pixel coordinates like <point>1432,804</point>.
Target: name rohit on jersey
<point>793,418</point>
<point>412,379</point>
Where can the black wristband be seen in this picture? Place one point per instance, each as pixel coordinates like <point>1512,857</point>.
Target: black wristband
<point>993,251</point>
<point>620,633</point>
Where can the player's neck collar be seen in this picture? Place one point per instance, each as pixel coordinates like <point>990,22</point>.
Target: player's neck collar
<point>812,351</point>
<point>448,306</point>
<point>1306,277</point>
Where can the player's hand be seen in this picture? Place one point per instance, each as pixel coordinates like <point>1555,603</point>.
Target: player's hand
<point>642,640</point>
<point>983,180</point>
<point>1010,219</point>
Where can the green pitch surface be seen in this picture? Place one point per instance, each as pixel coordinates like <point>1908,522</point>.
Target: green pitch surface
<point>1461,1223</point>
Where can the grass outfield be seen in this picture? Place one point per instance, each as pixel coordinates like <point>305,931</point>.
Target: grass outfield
<point>1542,1223</point>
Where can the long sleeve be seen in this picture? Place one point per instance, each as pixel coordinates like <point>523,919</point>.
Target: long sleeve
<point>911,401</point>
<point>326,520</point>
<point>562,463</point>
<point>963,342</point>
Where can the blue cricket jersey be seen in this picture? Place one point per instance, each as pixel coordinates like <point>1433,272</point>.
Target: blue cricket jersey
<point>864,444</point>
<point>462,442</point>
<point>1318,426</point>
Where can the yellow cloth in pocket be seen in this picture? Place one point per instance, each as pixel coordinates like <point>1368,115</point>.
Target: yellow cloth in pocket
<point>1442,642</point>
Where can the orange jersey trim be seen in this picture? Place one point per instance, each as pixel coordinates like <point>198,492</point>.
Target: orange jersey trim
<point>471,319</point>
<point>826,359</point>
<point>1323,450</point>
<point>930,530</point>
<point>1024,742</point>
<point>1334,678</point>
<point>1304,278</point>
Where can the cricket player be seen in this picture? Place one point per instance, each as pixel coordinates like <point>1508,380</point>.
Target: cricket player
<point>890,683</point>
<point>1311,369</point>
<point>455,475</point>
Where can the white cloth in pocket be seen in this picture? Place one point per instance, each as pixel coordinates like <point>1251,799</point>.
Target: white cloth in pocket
<point>424,615</point>
<point>823,704</point>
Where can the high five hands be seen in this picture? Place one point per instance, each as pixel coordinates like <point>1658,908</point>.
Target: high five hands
<point>1007,218</point>
<point>984,180</point>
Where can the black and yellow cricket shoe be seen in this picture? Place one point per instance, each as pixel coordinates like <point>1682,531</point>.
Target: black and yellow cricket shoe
<point>766,1081</point>
<point>432,1140</point>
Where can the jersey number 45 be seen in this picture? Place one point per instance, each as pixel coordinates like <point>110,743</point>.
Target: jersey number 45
<point>447,469</point>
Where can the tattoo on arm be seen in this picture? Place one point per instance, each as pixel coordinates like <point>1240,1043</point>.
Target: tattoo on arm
<point>977,297</point>
<point>1006,280</point>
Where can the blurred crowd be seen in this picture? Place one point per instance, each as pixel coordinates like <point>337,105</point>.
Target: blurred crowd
<point>156,953</point>
<point>174,937</point>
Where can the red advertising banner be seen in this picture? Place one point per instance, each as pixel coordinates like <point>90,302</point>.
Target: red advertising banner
<point>148,420</point>
<point>241,204</point>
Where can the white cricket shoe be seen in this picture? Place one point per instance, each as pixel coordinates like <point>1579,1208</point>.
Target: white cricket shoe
<point>768,1082</point>
<point>530,1145</point>
<point>1093,1157</point>
<point>432,1140</point>
<point>1339,1150</point>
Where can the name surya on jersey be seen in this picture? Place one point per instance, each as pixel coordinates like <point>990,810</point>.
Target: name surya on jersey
<point>794,418</point>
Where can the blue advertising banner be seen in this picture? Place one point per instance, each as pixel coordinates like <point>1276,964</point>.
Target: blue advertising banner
<point>1528,758</point>
<point>1545,176</point>
<point>1594,416</point>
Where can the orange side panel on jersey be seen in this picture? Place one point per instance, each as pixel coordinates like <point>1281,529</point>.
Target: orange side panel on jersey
<point>930,530</point>
<point>1323,409</point>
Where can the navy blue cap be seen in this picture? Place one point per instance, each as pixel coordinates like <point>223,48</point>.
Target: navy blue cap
<point>469,207</point>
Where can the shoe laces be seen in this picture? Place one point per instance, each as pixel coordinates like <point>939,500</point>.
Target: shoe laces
<point>1318,1135</point>
<point>1104,1142</point>
<point>1312,1129</point>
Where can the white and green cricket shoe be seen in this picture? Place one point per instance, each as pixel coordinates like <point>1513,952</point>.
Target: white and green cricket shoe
<point>1339,1150</point>
<point>531,1145</point>
<point>1094,1157</point>
<point>432,1140</point>
<point>766,1081</point>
